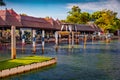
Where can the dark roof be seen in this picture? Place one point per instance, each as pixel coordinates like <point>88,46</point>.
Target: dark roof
<point>95,27</point>
<point>28,21</point>
<point>33,22</point>
<point>2,23</point>
<point>84,27</point>
<point>10,17</point>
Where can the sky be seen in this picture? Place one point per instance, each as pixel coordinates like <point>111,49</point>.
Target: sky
<point>58,9</point>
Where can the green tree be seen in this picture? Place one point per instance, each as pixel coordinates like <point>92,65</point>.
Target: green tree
<point>78,17</point>
<point>74,15</point>
<point>64,21</point>
<point>84,17</point>
<point>96,15</point>
<point>106,20</point>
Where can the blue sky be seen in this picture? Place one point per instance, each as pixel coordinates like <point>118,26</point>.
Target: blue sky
<point>59,8</point>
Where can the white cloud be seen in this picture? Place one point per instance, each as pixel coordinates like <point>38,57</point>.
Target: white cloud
<point>95,6</point>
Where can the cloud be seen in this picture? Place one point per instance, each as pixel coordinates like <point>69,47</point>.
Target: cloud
<point>95,6</point>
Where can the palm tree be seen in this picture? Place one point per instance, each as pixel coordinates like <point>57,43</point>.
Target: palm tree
<point>2,3</point>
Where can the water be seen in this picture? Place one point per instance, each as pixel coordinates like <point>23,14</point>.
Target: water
<point>95,61</point>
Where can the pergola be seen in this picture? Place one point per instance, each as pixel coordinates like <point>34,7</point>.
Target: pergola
<point>69,30</point>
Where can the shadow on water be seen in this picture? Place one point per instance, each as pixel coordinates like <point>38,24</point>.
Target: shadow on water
<point>97,61</point>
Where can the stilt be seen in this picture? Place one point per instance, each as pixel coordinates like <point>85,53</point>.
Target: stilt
<point>77,38</point>
<point>107,39</point>
<point>85,39</point>
<point>43,42</point>
<point>69,38</point>
<point>34,41</point>
<point>13,42</point>
<point>92,38</point>
<point>56,41</point>
<point>59,38</point>
<point>48,36</point>
<point>23,41</point>
<point>69,41</point>
<point>84,46</point>
<point>72,39</point>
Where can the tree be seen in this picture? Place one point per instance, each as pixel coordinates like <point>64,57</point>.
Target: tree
<point>96,15</point>
<point>76,16</point>
<point>84,17</point>
<point>106,20</point>
<point>64,21</point>
<point>2,3</point>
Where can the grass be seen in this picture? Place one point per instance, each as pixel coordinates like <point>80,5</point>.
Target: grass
<point>7,64</point>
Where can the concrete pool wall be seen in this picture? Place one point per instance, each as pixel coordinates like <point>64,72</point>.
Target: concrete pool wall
<point>25,68</point>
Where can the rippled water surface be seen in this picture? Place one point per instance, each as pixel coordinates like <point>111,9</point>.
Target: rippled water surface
<point>95,61</point>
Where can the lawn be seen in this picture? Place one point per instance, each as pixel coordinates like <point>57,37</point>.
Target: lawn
<point>7,64</point>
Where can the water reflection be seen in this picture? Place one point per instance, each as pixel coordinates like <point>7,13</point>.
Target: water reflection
<point>98,61</point>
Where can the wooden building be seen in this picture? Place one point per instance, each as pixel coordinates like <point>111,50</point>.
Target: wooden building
<point>9,17</point>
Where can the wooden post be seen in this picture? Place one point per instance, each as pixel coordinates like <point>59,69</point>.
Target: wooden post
<point>43,42</point>
<point>69,38</point>
<point>56,41</point>
<point>79,37</point>
<point>72,39</point>
<point>85,39</point>
<point>13,42</point>
<point>59,38</point>
<point>69,46</point>
<point>48,36</point>
<point>34,41</point>
<point>107,39</point>
<point>92,38</point>
<point>23,40</point>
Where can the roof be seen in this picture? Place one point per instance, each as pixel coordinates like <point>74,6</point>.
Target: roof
<point>9,17</point>
<point>33,22</point>
<point>95,27</point>
<point>55,24</point>
<point>84,27</point>
<point>79,27</point>
<point>2,23</point>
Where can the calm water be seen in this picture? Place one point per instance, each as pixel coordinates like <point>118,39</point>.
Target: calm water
<point>98,61</point>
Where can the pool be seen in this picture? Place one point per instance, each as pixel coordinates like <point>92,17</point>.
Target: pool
<point>95,61</point>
